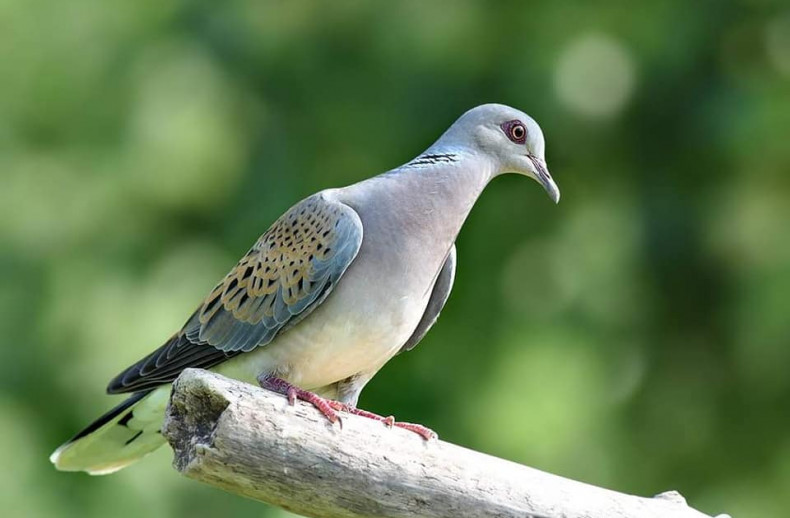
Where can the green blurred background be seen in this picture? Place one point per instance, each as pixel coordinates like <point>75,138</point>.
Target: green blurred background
<point>634,337</point>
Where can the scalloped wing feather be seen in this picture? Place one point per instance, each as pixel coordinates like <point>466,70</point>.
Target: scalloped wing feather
<point>295,262</point>
<point>289,271</point>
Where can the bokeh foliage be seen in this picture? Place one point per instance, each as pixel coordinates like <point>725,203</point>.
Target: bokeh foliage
<point>635,336</point>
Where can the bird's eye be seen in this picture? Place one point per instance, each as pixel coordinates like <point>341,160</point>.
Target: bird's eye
<point>515,131</point>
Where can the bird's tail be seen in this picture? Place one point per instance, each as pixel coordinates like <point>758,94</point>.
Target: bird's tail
<point>120,437</point>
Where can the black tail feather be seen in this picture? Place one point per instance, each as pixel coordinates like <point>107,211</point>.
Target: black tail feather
<point>110,415</point>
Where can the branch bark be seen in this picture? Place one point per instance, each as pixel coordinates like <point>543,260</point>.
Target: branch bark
<point>248,441</point>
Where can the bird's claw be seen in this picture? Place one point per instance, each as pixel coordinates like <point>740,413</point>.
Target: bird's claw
<point>389,421</point>
<point>293,393</point>
<point>329,407</point>
<point>424,432</point>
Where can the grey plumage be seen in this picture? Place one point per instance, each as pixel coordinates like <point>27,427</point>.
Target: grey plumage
<point>439,295</point>
<point>341,283</point>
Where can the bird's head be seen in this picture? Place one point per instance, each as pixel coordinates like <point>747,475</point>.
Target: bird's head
<point>511,138</point>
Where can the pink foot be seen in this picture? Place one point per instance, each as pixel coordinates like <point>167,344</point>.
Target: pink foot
<point>293,393</point>
<point>329,407</point>
<point>425,433</point>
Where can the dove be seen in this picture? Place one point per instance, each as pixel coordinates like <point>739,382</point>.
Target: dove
<point>341,283</point>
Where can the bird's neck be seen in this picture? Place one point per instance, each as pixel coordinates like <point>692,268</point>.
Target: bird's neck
<point>426,199</point>
<point>446,186</point>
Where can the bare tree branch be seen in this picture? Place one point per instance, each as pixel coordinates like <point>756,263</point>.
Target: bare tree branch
<point>248,441</point>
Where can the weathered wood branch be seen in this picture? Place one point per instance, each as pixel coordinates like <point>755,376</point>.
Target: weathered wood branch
<point>249,441</point>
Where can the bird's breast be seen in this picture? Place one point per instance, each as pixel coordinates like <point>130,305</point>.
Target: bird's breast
<point>361,325</point>
<point>371,312</point>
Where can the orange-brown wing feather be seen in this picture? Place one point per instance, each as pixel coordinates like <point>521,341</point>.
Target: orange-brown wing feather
<point>294,264</point>
<point>289,271</point>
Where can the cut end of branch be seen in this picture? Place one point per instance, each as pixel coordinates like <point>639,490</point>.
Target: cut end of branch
<point>192,416</point>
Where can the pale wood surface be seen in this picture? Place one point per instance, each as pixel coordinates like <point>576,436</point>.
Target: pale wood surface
<point>248,441</point>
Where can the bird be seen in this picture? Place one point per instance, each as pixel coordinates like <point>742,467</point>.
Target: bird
<point>341,283</point>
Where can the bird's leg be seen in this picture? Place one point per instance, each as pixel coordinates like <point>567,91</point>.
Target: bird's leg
<point>293,393</point>
<point>425,433</point>
<point>329,407</point>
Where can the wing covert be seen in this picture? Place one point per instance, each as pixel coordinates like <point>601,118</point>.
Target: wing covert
<point>289,271</point>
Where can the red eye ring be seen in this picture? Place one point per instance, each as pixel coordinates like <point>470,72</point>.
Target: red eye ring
<point>515,131</point>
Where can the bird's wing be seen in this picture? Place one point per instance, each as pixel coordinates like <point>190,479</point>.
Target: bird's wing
<point>439,296</point>
<point>288,272</point>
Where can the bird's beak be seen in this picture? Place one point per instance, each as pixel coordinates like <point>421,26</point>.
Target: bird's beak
<point>545,179</point>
